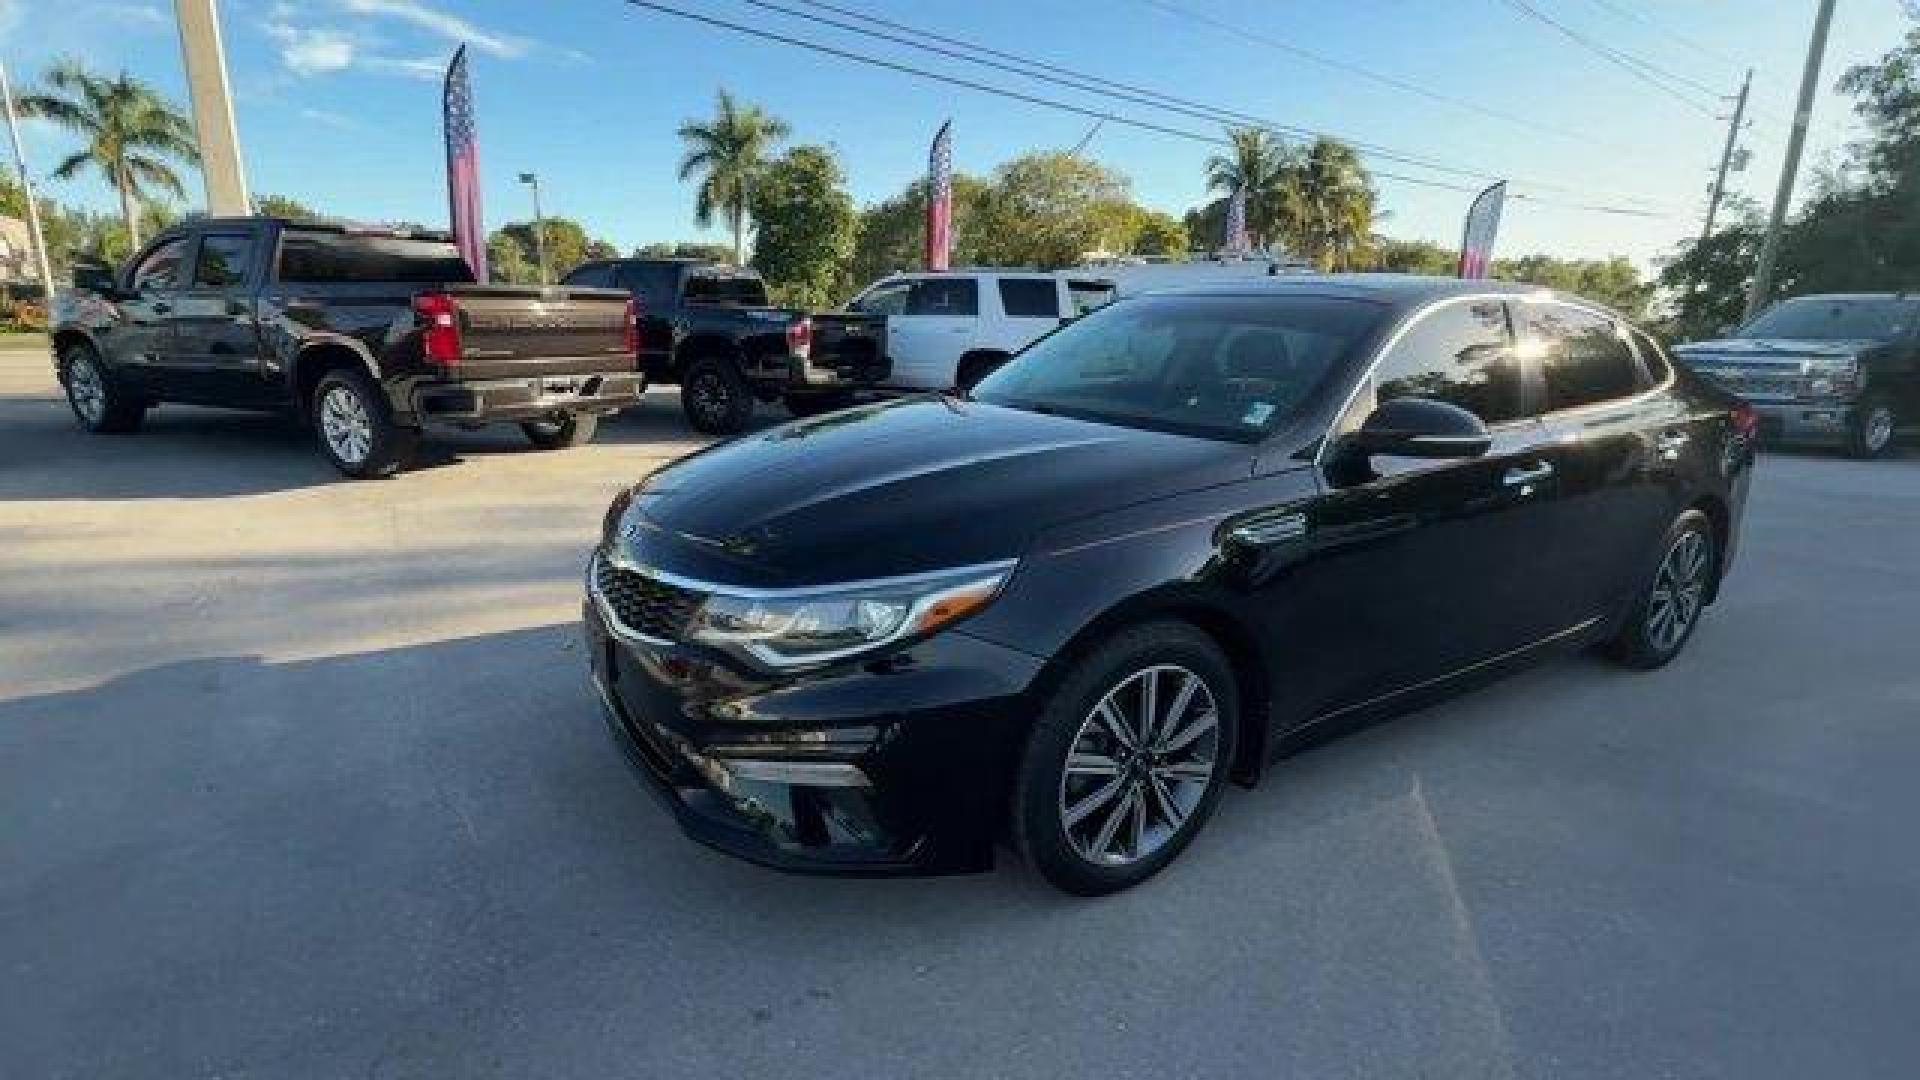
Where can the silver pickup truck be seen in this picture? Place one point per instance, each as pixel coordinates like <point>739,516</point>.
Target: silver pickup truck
<point>1835,368</point>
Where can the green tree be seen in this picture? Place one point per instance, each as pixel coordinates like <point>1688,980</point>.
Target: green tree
<point>131,133</point>
<point>1042,210</point>
<point>892,232</point>
<point>1206,225</point>
<point>508,262</point>
<point>1329,204</point>
<point>1414,257</point>
<point>727,154</point>
<point>567,247</point>
<point>1614,282</point>
<point>284,206</point>
<point>1160,233</point>
<point>684,249</point>
<point>806,226</point>
<point>1257,164</point>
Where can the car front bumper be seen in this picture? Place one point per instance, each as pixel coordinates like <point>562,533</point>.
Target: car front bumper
<point>899,765</point>
<point>1810,420</point>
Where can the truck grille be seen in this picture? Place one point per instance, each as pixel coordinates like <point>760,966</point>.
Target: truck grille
<point>645,605</point>
<point>1769,381</point>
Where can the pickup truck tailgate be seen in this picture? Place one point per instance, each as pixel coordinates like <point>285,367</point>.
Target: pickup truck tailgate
<point>510,331</point>
<point>849,344</point>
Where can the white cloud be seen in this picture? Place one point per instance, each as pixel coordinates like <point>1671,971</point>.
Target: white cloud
<point>308,50</point>
<point>424,68</point>
<point>148,15</point>
<point>330,119</point>
<point>447,25</point>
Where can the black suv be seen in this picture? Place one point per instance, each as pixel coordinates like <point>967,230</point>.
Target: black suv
<point>369,334</point>
<point>708,326</point>
<point>1174,538</point>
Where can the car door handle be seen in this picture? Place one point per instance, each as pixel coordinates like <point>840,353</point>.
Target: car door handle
<point>1524,477</point>
<point>1671,443</point>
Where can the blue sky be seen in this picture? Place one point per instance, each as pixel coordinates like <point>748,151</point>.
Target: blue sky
<point>338,100</point>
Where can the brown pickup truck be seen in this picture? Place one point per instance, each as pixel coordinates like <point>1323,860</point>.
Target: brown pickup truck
<point>370,335</point>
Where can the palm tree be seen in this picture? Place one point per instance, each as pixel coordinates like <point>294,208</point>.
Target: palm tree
<point>129,129</point>
<point>1257,164</point>
<point>728,153</point>
<point>1330,204</point>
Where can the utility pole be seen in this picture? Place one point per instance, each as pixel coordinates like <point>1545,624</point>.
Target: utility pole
<point>26,187</point>
<point>206,63</point>
<point>532,180</point>
<point>1726,156</point>
<point>1802,113</point>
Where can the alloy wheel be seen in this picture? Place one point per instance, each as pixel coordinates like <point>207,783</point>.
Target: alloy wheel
<point>346,425</point>
<point>85,390</point>
<point>1878,429</point>
<point>1678,590</point>
<point>1140,765</point>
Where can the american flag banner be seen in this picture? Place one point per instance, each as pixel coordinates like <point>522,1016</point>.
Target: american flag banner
<point>1234,239</point>
<point>940,199</point>
<point>1483,223</point>
<point>463,168</point>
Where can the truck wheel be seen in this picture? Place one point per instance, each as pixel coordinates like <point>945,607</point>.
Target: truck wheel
<point>815,404</point>
<point>716,397</point>
<point>355,431</point>
<point>573,429</point>
<point>1870,435</point>
<point>99,405</point>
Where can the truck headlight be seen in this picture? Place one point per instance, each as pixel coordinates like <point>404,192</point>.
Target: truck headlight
<point>795,628</point>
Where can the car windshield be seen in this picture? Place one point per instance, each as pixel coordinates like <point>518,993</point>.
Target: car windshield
<point>1829,318</point>
<point>1222,367</point>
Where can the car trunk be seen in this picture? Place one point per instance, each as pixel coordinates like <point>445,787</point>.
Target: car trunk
<point>510,331</point>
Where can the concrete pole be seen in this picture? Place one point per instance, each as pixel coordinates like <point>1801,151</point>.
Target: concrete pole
<point>1726,157</point>
<point>206,63</point>
<point>26,186</point>
<point>532,180</point>
<point>1802,113</point>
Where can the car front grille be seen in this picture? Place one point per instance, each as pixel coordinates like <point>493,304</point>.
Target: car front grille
<point>1769,381</point>
<point>645,605</point>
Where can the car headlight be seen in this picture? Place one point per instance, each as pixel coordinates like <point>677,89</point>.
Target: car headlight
<point>801,627</point>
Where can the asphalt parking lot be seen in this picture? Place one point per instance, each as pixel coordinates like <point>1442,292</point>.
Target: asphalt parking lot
<point>303,778</point>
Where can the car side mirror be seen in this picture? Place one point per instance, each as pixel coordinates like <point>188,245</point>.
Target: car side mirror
<point>1421,428</point>
<point>93,277</point>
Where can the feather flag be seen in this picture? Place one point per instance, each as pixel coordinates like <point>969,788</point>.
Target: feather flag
<point>940,199</point>
<point>1483,223</point>
<point>463,167</point>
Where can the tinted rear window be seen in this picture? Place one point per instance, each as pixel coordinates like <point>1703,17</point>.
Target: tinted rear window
<point>952,297</point>
<point>734,290</point>
<point>1583,359</point>
<point>322,256</point>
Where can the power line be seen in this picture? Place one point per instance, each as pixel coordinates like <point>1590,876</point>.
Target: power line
<point>1078,110</point>
<point>1646,20</point>
<point>918,38</point>
<point>1648,73</point>
<point>1350,68</point>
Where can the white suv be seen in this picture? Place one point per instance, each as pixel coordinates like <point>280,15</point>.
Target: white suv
<point>949,328</point>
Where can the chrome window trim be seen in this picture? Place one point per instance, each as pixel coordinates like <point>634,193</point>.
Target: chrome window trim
<point>1373,363</point>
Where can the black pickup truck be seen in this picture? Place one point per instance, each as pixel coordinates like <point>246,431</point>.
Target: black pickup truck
<point>708,326</point>
<point>1838,368</point>
<point>368,334</point>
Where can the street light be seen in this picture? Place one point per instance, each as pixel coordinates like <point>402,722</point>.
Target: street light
<point>532,180</point>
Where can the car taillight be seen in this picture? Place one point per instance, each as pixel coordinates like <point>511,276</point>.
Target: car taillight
<point>800,337</point>
<point>439,320</point>
<point>1746,421</point>
<point>636,310</point>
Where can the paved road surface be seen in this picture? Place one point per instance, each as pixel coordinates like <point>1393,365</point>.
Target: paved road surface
<point>302,778</point>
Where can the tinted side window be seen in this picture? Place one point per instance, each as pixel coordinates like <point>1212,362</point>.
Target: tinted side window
<point>312,256</point>
<point>1030,298</point>
<point>958,297</point>
<point>1583,359</point>
<point>161,268</point>
<point>1461,354</point>
<point>591,276</point>
<point>884,300</point>
<point>654,283</point>
<point>225,259</point>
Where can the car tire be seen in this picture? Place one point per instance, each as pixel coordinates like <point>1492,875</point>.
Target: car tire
<point>816,404</point>
<point>1670,605</point>
<point>1871,432</point>
<point>716,397</point>
<point>573,429</point>
<point>98,402</point>
<point>354,428</point>
<point>1094,815</point>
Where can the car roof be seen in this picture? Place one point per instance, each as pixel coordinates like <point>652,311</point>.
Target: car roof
<point>1394,290</point>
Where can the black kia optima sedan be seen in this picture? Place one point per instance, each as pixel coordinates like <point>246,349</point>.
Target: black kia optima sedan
<point>1162,545</point>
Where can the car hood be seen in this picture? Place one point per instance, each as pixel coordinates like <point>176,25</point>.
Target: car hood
<point>1777,348</point>
<point>902,487</point>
